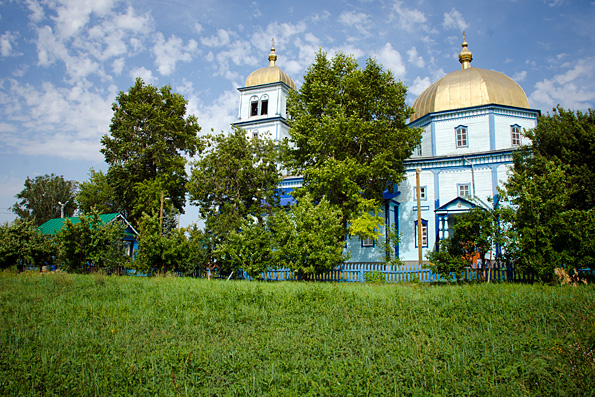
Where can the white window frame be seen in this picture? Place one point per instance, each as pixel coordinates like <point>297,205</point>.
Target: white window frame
<point>515,135</point>
<point>461,136</point>
<point>263,99</point>
<point>423,193</point>
<point>367,242</point>
<point>254,100</point>
<point>464,186</point>
<point>424,234</point>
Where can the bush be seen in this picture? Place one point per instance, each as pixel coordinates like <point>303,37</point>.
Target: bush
<point>374,277</point>
<point>22,244</point>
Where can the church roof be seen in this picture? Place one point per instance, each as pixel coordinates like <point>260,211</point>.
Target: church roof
<point>270,74</point>
<point>469,87</point>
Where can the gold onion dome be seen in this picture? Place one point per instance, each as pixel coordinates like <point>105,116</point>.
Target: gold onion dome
<point>270,74</point>
<point>469,87</point>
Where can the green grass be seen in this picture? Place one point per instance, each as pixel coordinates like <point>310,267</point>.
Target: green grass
<point>70,334</point>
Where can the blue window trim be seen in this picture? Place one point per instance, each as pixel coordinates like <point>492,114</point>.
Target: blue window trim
<point>423,223</point>
<point>459,189</point>
<point>464,127</point>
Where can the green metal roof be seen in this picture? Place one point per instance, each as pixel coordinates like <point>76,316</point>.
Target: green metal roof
<point>53,226</point>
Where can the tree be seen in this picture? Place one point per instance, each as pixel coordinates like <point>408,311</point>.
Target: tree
<point>474,233</point>
<point>41,197</point>
<point>552,194</point>
<point>307,238</point>
<point>96,193</point>
<point>90,242</point>
<point>234,178</point>
<point>249,249</point>
<point>176,250</point>
<point>348,133</point>
<point>150,135</point>
<point>22,244</point>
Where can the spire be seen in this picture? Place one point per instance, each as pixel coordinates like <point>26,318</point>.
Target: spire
<point>465,56</point>
<point>272,55</point>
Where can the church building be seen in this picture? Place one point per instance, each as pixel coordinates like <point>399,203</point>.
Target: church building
<point>472,121</point>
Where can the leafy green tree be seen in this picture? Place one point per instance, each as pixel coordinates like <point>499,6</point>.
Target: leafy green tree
<point>249,249</point>
<point>388,244</point>
<point>474,233</point>
<point>22,244</point>
<point>552,193</point>
<point>349,135</point>
<point>307,238</point>
<point>234,178</point>
<point>89,242</point>
<point>96,193</point>
<point>41,197</point>
<point>150,135</point>
<point>178,250</point>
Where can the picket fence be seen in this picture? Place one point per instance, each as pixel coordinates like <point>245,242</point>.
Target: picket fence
<point>356,272</point>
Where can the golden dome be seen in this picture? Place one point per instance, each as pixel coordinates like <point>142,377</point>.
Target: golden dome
<point>270,74</point>
<point>469,87</point>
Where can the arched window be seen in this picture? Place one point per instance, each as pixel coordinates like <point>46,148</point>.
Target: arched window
<point>264,104</point>
<point>254,106</point>
<point>515,135</point>
<point>255,134</point>
<point>461,136</point>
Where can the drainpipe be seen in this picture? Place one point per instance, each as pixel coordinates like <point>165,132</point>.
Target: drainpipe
<point>472,175</point>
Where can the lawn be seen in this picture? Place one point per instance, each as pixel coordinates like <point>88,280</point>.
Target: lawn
<point>68,334</point>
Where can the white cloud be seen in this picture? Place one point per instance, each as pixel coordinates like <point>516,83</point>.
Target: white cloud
<point>132,22</point>
<point>415,58</point>
<point>454,20</point>
<point>520,76</point>
<point>73,15</point>
<point>36,10</point>
<point>409,19</point>
<point>357,20</point>
<point>419,85</point>
<point>572,89</point>
<point>217,115</point>
<point>320,16</point>
<point>391,59</point>
<point>118,65</point>
<point>83,52</point>
<point>144,74</point>
<point>222,39</point>
<point>255,10</point>
<point>281,32</point>
<point>7,41</point>
<point>168,53</point>
<point>55,121</point>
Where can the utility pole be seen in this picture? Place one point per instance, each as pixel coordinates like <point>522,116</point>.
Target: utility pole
<point>419,228</point>
<point>62,208</point>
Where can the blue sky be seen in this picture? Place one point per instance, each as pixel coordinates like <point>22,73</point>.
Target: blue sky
<point>62,62</point>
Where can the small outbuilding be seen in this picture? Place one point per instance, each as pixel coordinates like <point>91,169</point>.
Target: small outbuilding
<point>129,242</point>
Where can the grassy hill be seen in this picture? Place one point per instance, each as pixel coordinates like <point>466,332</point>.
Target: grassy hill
<point>70,334</point>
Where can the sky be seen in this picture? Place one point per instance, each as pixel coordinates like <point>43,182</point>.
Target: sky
<point>63,62</point>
